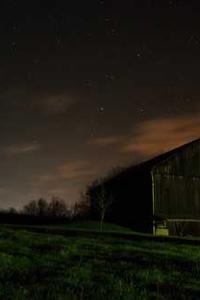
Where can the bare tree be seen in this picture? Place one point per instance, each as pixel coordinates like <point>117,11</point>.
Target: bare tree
<point>58,208</point>
<point>42,207</point>
<point>30,208</point>
<point>81,208</point>
<point>12,211</point>
<point>55,208</point>
<point>102,202</point>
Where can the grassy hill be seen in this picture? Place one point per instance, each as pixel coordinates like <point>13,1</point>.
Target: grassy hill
<point>94,226</point>
<point>44,266</point>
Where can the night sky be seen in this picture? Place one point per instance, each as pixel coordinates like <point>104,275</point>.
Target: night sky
<point>90,85</point>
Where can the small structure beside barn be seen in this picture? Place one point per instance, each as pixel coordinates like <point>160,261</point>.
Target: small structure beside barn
<point>160,196</point>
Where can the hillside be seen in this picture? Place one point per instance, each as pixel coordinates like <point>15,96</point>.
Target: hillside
<point>44,266</point>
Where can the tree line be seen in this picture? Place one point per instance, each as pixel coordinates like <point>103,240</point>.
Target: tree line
<point>94,204</point>
<point>54,208</point>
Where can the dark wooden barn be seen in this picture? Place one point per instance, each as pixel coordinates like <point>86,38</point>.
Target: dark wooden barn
<point>160,194</point>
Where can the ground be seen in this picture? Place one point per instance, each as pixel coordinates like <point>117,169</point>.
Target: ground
<point>53,266</point>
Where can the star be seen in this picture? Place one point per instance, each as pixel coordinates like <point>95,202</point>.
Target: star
<point>89,34</point>
<point>142,110</point>
<point>114,31</point>
<point>195,39</point>
<point>107,19</point>
<point>101,109</point>
<point>171,3</point>
<point>88,83</point>
<point>14,28</point>
<point>109,76</point>
<point>30,75</point>
<point>13,45</point>
<point>36,61</point>
<point>58,41</point>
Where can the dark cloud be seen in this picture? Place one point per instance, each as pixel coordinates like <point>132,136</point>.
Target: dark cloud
<point>159,135</point>
<point>30,100</point>
<point>104,141</point>
<point>20,149</point>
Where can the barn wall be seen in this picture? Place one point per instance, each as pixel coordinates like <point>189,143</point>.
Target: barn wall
<point>177,185</point>
<point>184,228</point>
<point>184,162</point>
<point>177,196</point>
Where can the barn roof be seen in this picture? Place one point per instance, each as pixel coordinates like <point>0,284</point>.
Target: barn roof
<point>147,165</point>
<point>164,156</point>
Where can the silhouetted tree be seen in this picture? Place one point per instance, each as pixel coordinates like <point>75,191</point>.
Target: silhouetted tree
<point>12,210</point>
<point>42,207</point>
<point>31,208</point>
<point>82,207</point>
<point>102,202</point>
<point>58,208</point>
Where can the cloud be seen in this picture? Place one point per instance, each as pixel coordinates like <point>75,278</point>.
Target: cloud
<point>77,169</point>
<point>3,190</point>
<point>67,180</point>
<point>162,134</point>
<point>17,149</point>
<point>153,137</point>
<point>70,170</point>
<point>106,141</point>
<point>55,104</point>
<point>24,99</point>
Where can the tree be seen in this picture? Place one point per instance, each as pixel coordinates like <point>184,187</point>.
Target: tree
<point>36,208</point>
<point>12,211</point>
<point>30,208</point>
<point>82,207</point>
<point>58,208</point>
<point>102,201</point>
<point>42,207</point>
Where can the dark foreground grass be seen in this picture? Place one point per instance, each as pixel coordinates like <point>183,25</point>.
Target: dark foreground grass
<point>95,226</point>
<point>41,266</point>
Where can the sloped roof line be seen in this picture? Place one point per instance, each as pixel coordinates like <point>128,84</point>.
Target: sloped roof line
<point>148,165</point>
<point>169,154</point>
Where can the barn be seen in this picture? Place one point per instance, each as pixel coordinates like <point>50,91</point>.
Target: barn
<point>160,196</point>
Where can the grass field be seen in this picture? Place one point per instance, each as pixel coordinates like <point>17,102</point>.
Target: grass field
<point>94,226</point>
<point>44,266</point>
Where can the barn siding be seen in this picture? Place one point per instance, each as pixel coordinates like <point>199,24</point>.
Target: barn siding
<point>182,163</point>
<point>177,185</point>
<point>184,228</point>
<point>176,197</point>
